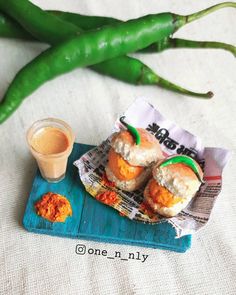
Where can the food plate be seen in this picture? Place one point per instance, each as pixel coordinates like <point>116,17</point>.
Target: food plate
<point>93,220</point>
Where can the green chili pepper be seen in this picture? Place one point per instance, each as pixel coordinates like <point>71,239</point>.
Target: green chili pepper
<point>124,68</point>
<point>89,48</point>
<point>133,71</point>
<point>85,22</point>
<point>185,160</point>
<point>127,69</point>
<point>182,43</point>
<point>35,17</point>
<point>134,132</point>
<point>169,43</point>
<point>11,29</point>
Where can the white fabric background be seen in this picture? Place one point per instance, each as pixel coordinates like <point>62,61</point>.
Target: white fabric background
<point>37,264</point>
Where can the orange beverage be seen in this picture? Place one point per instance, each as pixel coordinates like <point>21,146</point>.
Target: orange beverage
<point>51,142</point>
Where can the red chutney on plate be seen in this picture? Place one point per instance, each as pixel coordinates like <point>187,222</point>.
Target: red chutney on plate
<point>53,207</point>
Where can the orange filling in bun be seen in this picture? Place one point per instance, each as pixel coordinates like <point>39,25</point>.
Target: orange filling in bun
<point>161,195</point>
<point>121,168</point>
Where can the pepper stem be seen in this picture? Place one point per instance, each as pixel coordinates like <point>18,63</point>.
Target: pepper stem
<point>183,43</point>
<point>182,20</point>
<point>134,132</point>
<point>176,88</point>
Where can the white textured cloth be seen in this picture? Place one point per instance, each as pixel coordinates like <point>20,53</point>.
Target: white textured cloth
<point>90,103</point>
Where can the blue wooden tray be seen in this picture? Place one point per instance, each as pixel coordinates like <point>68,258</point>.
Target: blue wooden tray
<point>93,220</point>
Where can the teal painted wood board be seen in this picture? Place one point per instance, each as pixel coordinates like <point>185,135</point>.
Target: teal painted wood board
<point>92,220</point>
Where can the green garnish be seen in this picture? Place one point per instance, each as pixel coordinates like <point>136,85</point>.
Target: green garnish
<point>185,160</point>
<point>134,132</point>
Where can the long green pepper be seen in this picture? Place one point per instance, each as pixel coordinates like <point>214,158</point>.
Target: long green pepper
<point>35,20</point>
<point>91,48</point>
<point>11,29</point>
<point>127,69</point>
<point>124,68</point>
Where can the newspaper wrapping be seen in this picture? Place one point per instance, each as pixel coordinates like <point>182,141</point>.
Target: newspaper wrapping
<point>173,140</point>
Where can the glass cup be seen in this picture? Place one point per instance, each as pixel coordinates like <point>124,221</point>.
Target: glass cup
<point>52,164</point>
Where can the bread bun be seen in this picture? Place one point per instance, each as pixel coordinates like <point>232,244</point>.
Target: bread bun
<point>178,178</point>
<point>172,187</point>
<point>149,151</point>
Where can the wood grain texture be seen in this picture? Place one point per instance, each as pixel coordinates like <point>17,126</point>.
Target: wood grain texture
<point>93,220</point>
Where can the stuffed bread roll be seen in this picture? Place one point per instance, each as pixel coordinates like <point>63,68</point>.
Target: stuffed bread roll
<point>175,182</point>
<point>129,164</point>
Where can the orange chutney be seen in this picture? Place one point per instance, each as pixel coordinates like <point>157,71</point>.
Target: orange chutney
<point>53,207</point>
